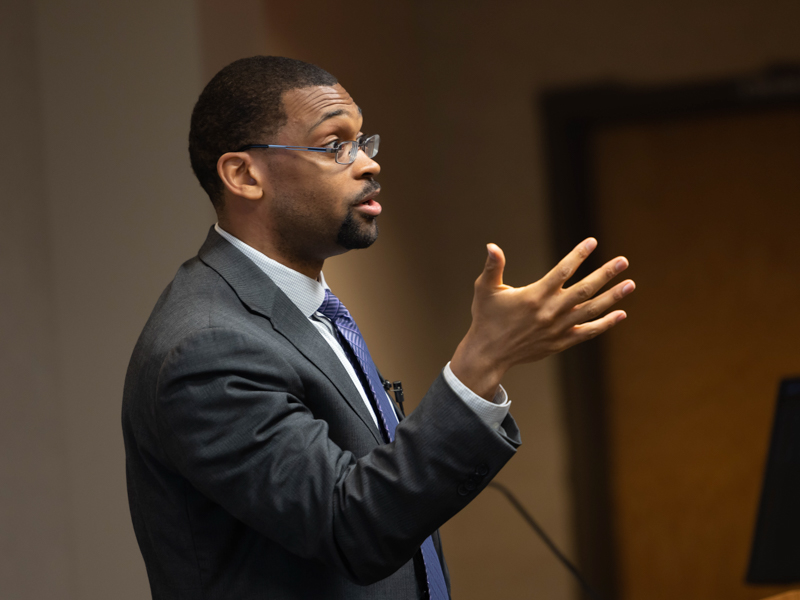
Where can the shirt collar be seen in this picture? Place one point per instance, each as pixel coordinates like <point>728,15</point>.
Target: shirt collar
<point>305,293</point>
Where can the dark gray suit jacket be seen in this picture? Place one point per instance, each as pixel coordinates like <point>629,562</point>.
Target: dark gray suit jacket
<point>254,469</point>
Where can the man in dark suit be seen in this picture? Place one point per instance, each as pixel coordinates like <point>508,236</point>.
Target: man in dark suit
<point>264,459</point>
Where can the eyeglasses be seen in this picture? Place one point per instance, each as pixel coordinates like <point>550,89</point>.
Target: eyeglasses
<point>345,152</point>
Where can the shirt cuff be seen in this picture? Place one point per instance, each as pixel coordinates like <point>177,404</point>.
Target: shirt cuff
<point>492,413</point>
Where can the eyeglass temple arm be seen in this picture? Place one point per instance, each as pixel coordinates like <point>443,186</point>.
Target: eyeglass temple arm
<point>303,148</point>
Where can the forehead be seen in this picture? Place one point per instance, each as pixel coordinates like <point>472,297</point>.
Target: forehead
<point>309,107</point>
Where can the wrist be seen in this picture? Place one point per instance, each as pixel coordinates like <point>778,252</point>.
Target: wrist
<point>472,367</point>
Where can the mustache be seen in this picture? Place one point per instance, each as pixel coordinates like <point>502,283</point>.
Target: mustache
<point>372,188</point>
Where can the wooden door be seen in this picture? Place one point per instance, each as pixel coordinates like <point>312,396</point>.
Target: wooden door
<point>708,211</point>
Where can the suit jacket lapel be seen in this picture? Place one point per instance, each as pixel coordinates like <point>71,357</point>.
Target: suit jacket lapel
<point>260,294</point>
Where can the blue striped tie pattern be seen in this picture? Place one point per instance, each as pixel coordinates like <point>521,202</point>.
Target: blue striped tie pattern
<point>351,339</point>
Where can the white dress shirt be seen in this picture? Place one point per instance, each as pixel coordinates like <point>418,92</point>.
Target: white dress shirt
<point>307,294</point>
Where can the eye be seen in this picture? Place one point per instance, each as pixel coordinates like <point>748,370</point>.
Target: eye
<point>333,143</point>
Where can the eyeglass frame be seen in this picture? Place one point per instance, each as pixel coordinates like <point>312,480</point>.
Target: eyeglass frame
<point>360,144</point>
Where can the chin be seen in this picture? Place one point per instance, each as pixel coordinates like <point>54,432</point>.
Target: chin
<point>355,236</point>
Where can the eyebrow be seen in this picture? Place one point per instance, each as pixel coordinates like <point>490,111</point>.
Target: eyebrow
<point>330,115</point>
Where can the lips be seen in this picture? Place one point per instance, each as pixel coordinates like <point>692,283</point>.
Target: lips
<point>370,206</point>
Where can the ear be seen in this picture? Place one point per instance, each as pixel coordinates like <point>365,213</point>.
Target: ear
<point>240,175</point>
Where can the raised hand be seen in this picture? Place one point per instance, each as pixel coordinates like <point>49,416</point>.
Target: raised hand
<point>511,326</point>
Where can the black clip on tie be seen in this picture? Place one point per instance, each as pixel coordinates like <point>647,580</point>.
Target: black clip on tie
<point>397,388</point>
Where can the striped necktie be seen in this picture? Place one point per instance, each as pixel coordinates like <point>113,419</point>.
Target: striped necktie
<point>351,339</point>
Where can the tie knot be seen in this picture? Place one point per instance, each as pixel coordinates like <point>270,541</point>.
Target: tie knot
<point>331,306</point>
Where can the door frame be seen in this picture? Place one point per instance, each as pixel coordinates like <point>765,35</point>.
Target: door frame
<point>571,115</point>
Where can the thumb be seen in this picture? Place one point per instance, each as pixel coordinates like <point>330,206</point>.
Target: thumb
<point>492,275</point>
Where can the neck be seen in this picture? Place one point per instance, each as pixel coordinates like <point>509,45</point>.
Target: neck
<point>269,246</point>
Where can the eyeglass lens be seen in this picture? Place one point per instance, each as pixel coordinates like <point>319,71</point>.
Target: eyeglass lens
<point>348,151</point>
<point>371,145</point>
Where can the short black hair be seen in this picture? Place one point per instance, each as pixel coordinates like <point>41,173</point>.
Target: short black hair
<point>243,105</point>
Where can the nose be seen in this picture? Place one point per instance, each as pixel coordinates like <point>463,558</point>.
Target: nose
<point>365,167</point>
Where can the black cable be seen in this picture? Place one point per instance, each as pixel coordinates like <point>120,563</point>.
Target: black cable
<point>545,538</point>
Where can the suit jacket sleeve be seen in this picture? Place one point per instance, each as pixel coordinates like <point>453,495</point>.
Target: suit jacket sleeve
<point>235,424</point>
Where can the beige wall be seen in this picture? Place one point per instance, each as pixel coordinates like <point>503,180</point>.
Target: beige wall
<point>117,82</point>
<point>101,207</point>
<point>34,513</point>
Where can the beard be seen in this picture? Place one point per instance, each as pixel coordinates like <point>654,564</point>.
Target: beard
<point>354,235</point>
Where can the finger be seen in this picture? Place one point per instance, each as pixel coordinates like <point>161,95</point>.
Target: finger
<point>492,275</point>
<point>588,286</point>
<point>592,309</point>
<point>586,331</point>
<point>565,269</point>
